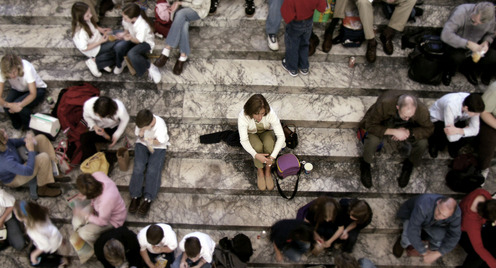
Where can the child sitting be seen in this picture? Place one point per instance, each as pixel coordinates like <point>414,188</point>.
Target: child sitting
<point>157,240</point>
<point>198,249</point>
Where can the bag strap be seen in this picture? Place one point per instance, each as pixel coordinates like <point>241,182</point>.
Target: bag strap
<point>279,187</point>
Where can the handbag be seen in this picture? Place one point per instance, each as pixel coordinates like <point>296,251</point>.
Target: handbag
<point>291,136</point>
<point>327,14</point>
<point>96,162</point>
<point>287,165</point>
<point>63,161</point>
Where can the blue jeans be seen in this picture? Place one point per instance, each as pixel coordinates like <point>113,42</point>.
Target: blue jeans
<point>137,54</point>
<point>436,236</point>
<point>21,119</point>
<point>177,262</point>
<point>153,164</point>
<point>179,31</point>
<point>297,40</point>
<point>106,55</point>
<point>15,235</point>
<point>366,263</point>
<point>294,253</point>
<point>274,17</point>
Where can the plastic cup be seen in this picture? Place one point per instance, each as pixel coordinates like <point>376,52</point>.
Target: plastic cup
<point>308,168</point>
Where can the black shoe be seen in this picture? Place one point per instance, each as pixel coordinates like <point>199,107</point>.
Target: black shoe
<point>446,79</point>
<point>433,151</point>
<point>135,203</point>
<point>365,175</point>
<point>213,6</point>
<point>144,208</point>
<point>471,77</point>
<point>370,55</point>
<point>249,8</point>
<point>486,79</point>
<point>406,171</point>
<point>397,248</point>
<point>178,67</point>
<point>453,151</point>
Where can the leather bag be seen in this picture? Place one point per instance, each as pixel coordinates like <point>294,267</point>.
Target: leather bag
<point>290,135</point>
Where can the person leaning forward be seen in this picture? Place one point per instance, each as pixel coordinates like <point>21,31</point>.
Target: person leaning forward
<point>402,117</point>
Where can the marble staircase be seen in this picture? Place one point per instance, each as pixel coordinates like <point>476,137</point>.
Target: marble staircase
<point>212,188</point>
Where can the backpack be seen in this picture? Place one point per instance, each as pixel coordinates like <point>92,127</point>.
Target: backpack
<point>351,33</point>
<point>426,63</point>
<point>163,16</point>
<point>69,111</point>
<point>233,253</point>
<point>464,177</point>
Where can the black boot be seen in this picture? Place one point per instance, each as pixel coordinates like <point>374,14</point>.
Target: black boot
<point>213,6</point>
<point>406,171</point>
<point>249,8</point>
<point>327,44</point>
<point>314,42</point>
<point>365,175</point>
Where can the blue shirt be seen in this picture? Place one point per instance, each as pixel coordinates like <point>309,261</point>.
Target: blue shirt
<point>11,164</point>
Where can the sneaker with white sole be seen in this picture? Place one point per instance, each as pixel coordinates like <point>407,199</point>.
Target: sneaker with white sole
<point>107,69</point>
<point>93,68</point>
<point>293,73</point>
<point>154,74</point>
<point>118,70</point>
<point>272,41</point>
<point>304,71</point>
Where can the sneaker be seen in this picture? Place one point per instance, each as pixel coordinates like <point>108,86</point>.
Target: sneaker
<point>144,208</point>
<point>213,6</point>
<point>485,172</point>
<point>154,74</point>
<point>93,68</point>
<point>118,70</point>
<point>133,207</point>
<point>304,71</point>
<point>291,72</point>
<point>107,69</point>
<point>272,41</point>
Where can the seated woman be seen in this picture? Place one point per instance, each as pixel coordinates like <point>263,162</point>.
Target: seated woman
<point>183,13</point>
<point>355,215</point>
<point>322,213</point>
<point>291,238</point>
<point>106,211</point>
<point>15,235</point>
<point>478,208</point>
<point>258,128</point>
<point>92,40</point>
<point>27,89</point>
<point>47,239</point>
<point>107,119</point>
<point>38,169</point>
<point>117,247</point>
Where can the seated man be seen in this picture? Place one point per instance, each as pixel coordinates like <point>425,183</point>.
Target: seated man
<point>157,241</point>
<point>436,215</point>
<point>469,30</point>
<point>449,115</point>
<point>487,132</point>
<point>403,118</point>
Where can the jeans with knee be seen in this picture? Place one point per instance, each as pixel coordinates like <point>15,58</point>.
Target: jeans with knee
<point>136,53</point>
<point>153,164</point>
<point>177,262</point>
<point>274,17</point>
<point>179,31</point>
<point>15,235</point>
<point>436,236</point>
<point>297,249</point>
<point>21,119</point>
<point>106,55</point>
<point>297,40</point>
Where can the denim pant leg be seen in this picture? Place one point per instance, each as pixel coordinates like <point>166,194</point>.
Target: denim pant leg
<point>15,235</point>
<point>304,45</point>
<point>141,160</point>
<point>138,57</point>
<point>294,253</point>
<point>274,17</point>
<point>297,38</point>
<point>366,263</point>
<point>436,236</point>
<point>121,48</point>
<point>153,178</point>
<point>178,33</point>
<point>106,55</point>
<point>405,242</point>
<point>15,118</point>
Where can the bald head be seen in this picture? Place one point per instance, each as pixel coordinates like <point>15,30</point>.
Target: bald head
<point>406,105</point>
<point>445,207</point>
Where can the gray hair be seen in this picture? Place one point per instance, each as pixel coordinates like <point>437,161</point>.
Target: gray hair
<point>486,11</point>
<point>404,101</point>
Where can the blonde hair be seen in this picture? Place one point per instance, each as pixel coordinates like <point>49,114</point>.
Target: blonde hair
<point>114,252</point>
<point>9,63</point>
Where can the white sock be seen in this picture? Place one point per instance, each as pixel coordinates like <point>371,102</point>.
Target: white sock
<point>166,52</point>
<point>183,58</point>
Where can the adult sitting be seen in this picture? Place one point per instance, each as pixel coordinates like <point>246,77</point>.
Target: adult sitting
<point>117,247</point>
<point>107,119</point>
<point>438,216</point>
<point>405,119</point>
<point>38,169</point>
<point>355,215</point>
<point>487,131</point>
<point>107,209</point>
<point>469,31</point>
<point>157,241</point>
<point>258,128</point>
<point>477,207</point>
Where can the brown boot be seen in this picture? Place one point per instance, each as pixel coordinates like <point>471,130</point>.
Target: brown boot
<point>45,191</point>
<point>370,55</point>
<point>314,42</point>
<point>160,62</point>
<point>178,67</point>
<point>327,44</point>
<point>387,40</point>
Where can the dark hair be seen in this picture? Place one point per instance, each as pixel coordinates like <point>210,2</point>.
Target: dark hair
<point>144,118</point>
<point>105,107</point>
<point>345,260</point>
<point>133,10</point>
<point>78,10</point>
<point>114,252</point>
<point>256,103</point>
<point>30,212</point>
<point>89,186</point>
<point>154,234</point>
<point>324,208</point>
<point>474,103</point>
<point>487,210</point>
<point>192,247</point>
<point>303,232</point>
<point>9,63</point>
<point>360,210</point>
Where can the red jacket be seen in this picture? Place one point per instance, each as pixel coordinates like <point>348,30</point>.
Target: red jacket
<point>301,9</point>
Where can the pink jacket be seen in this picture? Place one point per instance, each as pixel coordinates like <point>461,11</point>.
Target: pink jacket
<point>109,207</point>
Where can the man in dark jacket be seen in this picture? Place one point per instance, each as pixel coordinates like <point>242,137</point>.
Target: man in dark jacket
<point>403,118</point>
<point>436,215</point>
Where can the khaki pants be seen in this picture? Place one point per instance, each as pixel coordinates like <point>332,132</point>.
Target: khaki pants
<point>89,232</point>
<point>42,164</point>
<point>263,143</point>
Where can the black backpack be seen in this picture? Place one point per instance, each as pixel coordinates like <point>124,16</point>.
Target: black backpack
<point>426,61</point>
<point>464,177</point>
<point>233,253</point>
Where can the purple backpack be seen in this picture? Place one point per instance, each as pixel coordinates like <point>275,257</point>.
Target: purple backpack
<point>286,165</point>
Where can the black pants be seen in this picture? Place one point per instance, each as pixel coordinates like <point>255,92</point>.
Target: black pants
<point>89,139</point>
<point>459,59</point>
<point>439,140</point>
<point>349,243</point>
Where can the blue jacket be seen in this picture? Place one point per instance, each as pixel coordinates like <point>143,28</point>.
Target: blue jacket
<point>420,211</point>
<point>11,163</point>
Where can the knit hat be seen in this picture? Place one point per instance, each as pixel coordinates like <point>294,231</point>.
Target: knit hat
<point>3,141</point>
<point>486,10</point>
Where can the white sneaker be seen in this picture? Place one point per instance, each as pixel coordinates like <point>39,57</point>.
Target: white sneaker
<point>119,70</point>
<point>107,69</point>
<point>93,68</point>
<point>272,41</point>
<point>154,74</point>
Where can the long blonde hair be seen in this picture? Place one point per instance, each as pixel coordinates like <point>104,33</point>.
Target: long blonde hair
<point>9,63</point>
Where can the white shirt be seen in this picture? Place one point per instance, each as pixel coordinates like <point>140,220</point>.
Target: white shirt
<point>6,200</point>
<point>449,110</point>
<point>82,39</point>
<point>21,83</point>
<point>120,119</point>
<point>45,236</point>
<point>169,239</point>
<point>270,122</point>
<point>158,131</point>
<point>141,31</point>
<point>207,245</point>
